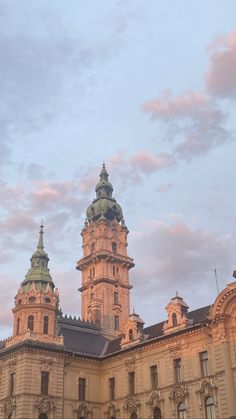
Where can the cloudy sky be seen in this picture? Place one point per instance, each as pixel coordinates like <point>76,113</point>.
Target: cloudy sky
<point>147,86</point>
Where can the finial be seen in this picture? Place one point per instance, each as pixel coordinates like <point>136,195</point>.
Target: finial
<point>177,294</point>
<point>40,242</point>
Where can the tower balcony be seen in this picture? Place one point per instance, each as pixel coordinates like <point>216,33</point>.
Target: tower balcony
<point>106,255</point>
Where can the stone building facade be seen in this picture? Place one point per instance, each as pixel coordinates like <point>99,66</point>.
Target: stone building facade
<point>108,365</point>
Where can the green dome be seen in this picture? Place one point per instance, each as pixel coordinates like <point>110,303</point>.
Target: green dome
<point>104,206</point>
<point>38,272</point>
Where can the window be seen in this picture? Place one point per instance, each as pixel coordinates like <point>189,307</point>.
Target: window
<point>156,413</point>
<point>93,272</point>
<point>32,300</point>
<point>92,247</point>
<point>45,325</point>
<point>112,388</point>
<point>131,335</point>
<point>114,247</point>
<point>44,383</point>
<point>92,296</point>
<point>174,319</point>
<point>131,383</point>
<point>154,378</point>
<point>116,322</point>
<point>31,323</point>
<point>113,270</point>
<point>133,416</point>
<point>177,368</point>
<point>82,389</point>
<point>204,363</point>
<point>116,297</point>
<point>210,408</point>
<point>182,414</point>
<point>12,383</point>
<point>18,326</point>
<point>43,416</point>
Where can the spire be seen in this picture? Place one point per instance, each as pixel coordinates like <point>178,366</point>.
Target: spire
<point>39,272</point>
<point>104,188</point>
<point>103,175</point>
<point>40,242</point>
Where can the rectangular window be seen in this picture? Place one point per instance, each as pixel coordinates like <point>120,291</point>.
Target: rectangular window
<point>12,384</point>
<point>112,388</point>
<point>82,389</point>
<point>44,383</point>
<point>154,378</point>
<point>116,322</point>
<point>204,363</point>
<point>177,369</point>
<point>115,297</point>
<point>131,383</point>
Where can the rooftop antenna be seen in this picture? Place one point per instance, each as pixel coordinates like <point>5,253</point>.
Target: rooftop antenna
<point>216,279</point>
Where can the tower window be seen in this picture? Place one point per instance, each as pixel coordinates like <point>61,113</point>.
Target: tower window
<point>114,247</point>
<point>18,326</point>
<point>114,270</point>
<point>112,388</point>
<point>131,377</point>
<point>44,382</point>
<point>116,297</point>
<point>204,363</point>
<point>32,300</point>
<point>30,325</point>
<point>154,378</point>
<point>210,408</point>
<point>116,322</point>
<point>182,413</point>
<point>92,296</point>
<point>93,272</point>
<point>82,389</point>
<point>177,370</point>
<point>174,319</point>
<point>45,325</point>
<point>92,247</point>
<point>12,383</point>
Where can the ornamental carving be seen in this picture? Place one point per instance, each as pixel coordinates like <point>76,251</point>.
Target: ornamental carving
<point>83,411</point>
<point>207,389</point>
<point>111,411</point>
<point>154,401</point>
<point>45,405</point>
<point>8,406</point>
<point>178,394</point>
<point>131,405</point>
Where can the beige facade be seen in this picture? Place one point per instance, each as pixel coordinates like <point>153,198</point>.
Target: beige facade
<point>184,367</point>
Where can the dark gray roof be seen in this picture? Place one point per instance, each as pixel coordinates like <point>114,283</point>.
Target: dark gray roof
<point>86,338</point>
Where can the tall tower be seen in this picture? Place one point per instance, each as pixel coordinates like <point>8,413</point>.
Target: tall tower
<point>36,302</point>
<point>105,264</point>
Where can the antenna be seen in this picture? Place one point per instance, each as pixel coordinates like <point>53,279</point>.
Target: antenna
<point>217,286</point>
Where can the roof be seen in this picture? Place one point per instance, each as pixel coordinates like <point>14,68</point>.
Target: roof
<point>86,338</point>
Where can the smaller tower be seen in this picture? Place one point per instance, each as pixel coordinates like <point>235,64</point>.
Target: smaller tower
<point>36,302</point>
<point>178,318</point>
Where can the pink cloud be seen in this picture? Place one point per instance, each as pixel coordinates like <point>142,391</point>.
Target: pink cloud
<point>193,121</point>
<point>221,76</point>
<point>148,163</point>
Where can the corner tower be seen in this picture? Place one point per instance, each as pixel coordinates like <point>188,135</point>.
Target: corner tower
<point>37,302</point>
<point>105,264</point>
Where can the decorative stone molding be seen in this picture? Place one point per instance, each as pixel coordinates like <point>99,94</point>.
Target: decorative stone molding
<point>155,401</point>
<point>83,411</point>
<point>131,404</point>
<point>9,405</point>
<point>207,389</point>
<point>45,405</point>
<point>221,306</point>
<point>111,411</point>
<point>178,394</point>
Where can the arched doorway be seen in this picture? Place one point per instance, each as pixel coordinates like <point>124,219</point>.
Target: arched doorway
<point>43,416</point>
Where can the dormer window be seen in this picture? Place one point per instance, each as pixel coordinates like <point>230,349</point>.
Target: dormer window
<point>131,335</point>
<point>174,319</point>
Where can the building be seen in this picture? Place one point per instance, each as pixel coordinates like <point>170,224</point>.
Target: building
<point>109,365</point>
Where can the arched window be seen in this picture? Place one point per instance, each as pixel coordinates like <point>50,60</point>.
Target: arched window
<point>45,325</point>
<point>174,319</point>
<point>133,416</point>
<point>210,408</point>
<point>156,413</point>
<point>32,300</point>
<point>18,326</point>
<point>131,335</point>
<point>43,416</point>
<point>31,323</point>
<point>114,247</point>
<point>182,414</point>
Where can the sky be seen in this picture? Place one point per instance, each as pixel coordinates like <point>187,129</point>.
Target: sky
<point>147,87</point>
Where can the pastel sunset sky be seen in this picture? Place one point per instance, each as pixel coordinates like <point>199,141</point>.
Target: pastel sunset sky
<point>150,88</point>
